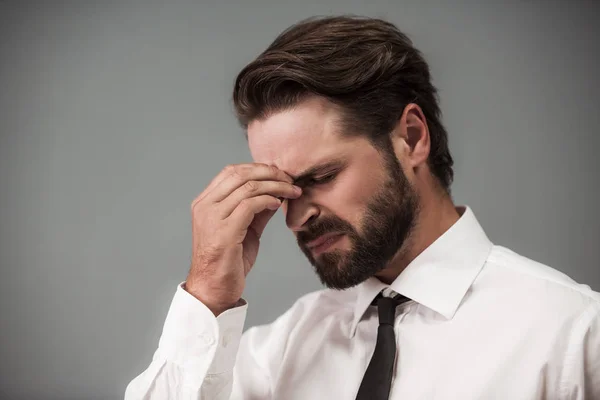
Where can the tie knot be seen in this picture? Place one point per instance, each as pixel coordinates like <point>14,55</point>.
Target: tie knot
<point>386,307</point>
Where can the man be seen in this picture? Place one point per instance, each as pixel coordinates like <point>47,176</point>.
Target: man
<point>344,126</point>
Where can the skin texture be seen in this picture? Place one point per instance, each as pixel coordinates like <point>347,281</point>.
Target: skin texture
<point>228,218</point>
<point>388,206</point>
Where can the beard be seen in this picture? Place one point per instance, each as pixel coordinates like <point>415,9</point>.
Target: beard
<point>386,226</point>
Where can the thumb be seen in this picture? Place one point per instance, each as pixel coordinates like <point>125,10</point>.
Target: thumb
<point>260,221</point>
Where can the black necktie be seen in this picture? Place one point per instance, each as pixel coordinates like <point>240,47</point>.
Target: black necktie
<point>378,376</point>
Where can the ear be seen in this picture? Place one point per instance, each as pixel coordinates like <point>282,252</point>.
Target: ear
<point>410,137</point>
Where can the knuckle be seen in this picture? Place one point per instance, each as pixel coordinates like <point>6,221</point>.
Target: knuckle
<point>251,186</point>
<point>232,170</point>
<point>245,205</point>
<point>275,171</point>
<point>281,174</point>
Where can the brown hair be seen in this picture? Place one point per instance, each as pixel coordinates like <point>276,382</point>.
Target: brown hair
<point>365,66</point>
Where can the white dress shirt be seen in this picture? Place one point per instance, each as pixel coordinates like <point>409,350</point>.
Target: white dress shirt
<point>483,323</point>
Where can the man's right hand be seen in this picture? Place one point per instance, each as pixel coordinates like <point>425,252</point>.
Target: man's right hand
<point>228,218</point>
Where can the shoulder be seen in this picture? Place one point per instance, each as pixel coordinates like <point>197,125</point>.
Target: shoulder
<point>528,271</point>
<point>534,287</point>
<point>550,309</point>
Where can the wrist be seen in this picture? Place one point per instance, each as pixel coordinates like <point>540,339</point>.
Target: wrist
<point>210,301</point>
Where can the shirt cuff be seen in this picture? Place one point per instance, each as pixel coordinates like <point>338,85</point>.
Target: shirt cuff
<point>197,340</point>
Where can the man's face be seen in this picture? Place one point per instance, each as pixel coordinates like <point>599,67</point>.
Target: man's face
<point>362,200</point>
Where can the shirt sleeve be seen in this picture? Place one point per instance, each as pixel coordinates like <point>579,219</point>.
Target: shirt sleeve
<point>196,353</point>
<point>581,379</point>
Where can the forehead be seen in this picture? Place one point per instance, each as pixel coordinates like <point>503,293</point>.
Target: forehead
<point>299,138</point>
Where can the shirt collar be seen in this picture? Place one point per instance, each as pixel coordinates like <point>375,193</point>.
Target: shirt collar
<point>441,275</point>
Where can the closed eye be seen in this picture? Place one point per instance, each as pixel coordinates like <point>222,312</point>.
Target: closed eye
<point>321,180</point>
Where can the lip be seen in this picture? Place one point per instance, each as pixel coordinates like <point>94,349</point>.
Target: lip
<point>322,239</point>
<point>330,241</point>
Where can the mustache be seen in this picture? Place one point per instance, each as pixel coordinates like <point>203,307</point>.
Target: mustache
<point>326,225</point>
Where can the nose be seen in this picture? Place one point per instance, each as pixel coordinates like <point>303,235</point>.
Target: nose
<point>298,212</point>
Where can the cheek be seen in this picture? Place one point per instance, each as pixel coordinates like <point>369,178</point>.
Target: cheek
<point>351,197</point>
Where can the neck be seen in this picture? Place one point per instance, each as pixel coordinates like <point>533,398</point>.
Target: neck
<point>437,214</point>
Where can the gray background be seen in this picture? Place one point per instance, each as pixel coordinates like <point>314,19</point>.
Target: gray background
<point>115,115</point>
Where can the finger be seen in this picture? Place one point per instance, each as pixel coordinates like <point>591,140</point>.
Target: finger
<point>234,176</point>
<point>282,190</point>
<point>241,218</point>
<point>261,220</point>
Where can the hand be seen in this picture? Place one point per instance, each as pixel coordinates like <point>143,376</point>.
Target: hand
<point>228,218</point>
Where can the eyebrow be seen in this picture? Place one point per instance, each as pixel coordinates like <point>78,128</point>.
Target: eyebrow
<point>337,163</point>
